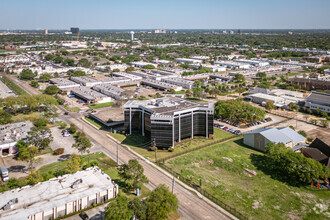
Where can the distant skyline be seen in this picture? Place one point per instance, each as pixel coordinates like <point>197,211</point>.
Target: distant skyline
<point>165,14</point>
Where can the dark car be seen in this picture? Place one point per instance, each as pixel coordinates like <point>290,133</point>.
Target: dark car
<point>83,216</point>
<point>67,113</point>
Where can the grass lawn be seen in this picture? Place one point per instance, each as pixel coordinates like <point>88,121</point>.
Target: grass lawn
<point>26,117</point>
<point>196,99</point>
<point>74,109</point>
<point>141,144</point>
<point>257,197</point>
<point>99,126</point>
<point>101,105</point>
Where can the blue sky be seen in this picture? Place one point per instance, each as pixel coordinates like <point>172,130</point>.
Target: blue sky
<point>170,14</point>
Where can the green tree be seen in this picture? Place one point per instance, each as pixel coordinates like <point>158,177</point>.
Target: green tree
<point>45,77</point>
<point>40,122</point>
<point>40,137</point>
<point>118,209</point>
<point>72,129</point>
<point>34,84</point>
<point>73,164</point>
<point>295,168</point>
<point>82,144</point>
<point>34,177</point>
<point>49,57</point>
<point>51,90</point>
<point>132,174</point>
<point>69,62</point>
<point>324,114</point>
<point>29,154</point>
<point>197,91</point>
<point>325,123</point>
<point>149,66</point>
<point>139,208</point>
<point>27,74</point>
<point>313,121</point>
<point>239,78</point>
<point>160,203</point>
<point>303,133</point>
<point>5,117</point>
<point>84,63</point>
<point>189,93</point>
<point>58,59</point>
<point>261,75</point>
<point>270,105</point>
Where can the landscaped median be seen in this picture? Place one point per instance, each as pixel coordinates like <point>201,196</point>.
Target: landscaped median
<point>141,144</point>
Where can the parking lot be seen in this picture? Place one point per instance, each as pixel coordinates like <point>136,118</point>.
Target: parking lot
<point>275,119</point>
<point>62,142</point>
<point>5,91</point>
<point>145,90</point>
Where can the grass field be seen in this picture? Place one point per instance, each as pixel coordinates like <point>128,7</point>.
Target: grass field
<point>141,144</point>
<point>99,126</point>
<point>101,105</point>
<point>26,117</point>
<point>257,197</point>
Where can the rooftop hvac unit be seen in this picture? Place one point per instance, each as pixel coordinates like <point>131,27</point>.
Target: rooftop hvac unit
<point>76,183</point>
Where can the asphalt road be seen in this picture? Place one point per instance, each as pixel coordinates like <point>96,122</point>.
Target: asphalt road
<point>190,205</point>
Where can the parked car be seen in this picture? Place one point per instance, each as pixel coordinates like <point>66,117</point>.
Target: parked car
<point>67,113</point>
<point>83,216</point>
<point>4,173</point>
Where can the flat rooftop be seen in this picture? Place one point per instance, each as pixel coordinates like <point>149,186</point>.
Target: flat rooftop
<point>167,105</point>
<point>53,193</point>
<point>14,132</point>
<point>87,93</point>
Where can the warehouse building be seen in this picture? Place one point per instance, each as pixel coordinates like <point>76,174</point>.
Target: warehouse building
<point>232,64</point>
<point>58,197</point>
<point>318,100</point>
<point>261,137</point>
<point>160,85</point>
<point>189,61</point>
<point>187,84</point>
<point>85,81</point>
<point>62,83</point>
<point>169,120</point>
<point>89,95</point>
<point>110,90</point>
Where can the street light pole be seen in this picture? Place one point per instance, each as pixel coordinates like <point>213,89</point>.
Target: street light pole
<point>173,182</point>
<point>117,155</point>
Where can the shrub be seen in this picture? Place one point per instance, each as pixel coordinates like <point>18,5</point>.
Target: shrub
<point>72,129</point>
<point>94,163</point>
<point>171,149</point>
<point>13,183</point>
<point>303,133</point>
<point>152,148</point>
<point>63,125</point>
<point>59,151</point>
<point>310,139</point>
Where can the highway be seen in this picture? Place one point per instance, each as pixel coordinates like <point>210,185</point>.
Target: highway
<point>191,206</point>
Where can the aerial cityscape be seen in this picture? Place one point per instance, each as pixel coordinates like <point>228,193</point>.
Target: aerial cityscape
<point>164,110</point>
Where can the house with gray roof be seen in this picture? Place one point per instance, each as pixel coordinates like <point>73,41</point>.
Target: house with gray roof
<point>261,137</point>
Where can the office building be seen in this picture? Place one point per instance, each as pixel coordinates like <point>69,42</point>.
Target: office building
<point>169,120</point>
<point>318,100</point>
<point>75,30</point>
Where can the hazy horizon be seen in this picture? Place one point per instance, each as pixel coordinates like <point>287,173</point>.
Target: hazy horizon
<point>170,14</point>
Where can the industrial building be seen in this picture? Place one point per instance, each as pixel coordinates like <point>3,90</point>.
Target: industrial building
<point>85,81</point>
<point>169,120</point>
<point>261,137</point>
<point>213,68</point>
<point>89,95</point>
<point>318,100</point>
<point>10,134</point>
<point>63,83</point>
<point>189,61</point>
<point>141,64</point>
<point>110,90</point>
<point>187,84</point>
<point>58,196</point>
<point>160,85</point>
<point>253,62</point>
<point>232,64</point>
<point>127,75</point>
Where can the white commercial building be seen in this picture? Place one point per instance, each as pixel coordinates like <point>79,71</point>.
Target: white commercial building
<point>10,134</point>
<point>186,60</point>
<point>187,84</point>
<point>214,68</point>
<point>142,64</point>
<point>58,196</point>
<point>232,64</point>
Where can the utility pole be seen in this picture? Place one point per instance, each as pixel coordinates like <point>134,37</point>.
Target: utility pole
<point>154,145</point>
<point>201,184</point>
<point>117,155</point>
<point>173,182</point>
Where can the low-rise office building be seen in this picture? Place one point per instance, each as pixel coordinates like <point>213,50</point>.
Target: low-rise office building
<point>161,85</point>
<point>187,60</point>
<point>311,83</point>
<point>58,196</point>
<point>318,100</point>
<point>232,64</point>
<point>169,120</point>
<point>110,90</point>
<point>63,83</point>
<point>142,64</point>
